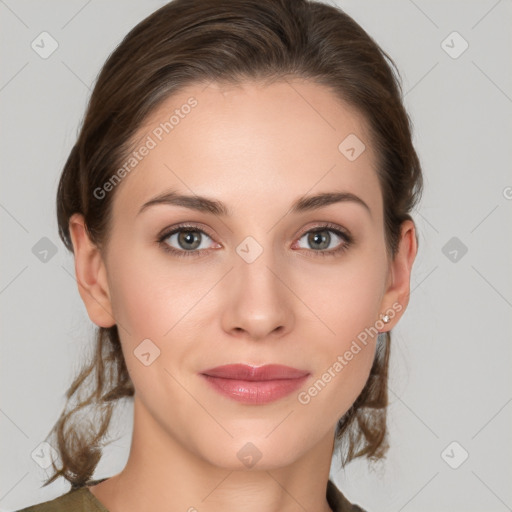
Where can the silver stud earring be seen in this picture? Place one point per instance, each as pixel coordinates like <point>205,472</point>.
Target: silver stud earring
<point>385,318</point>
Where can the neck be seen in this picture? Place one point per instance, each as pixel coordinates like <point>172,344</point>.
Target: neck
<point>163,475</point>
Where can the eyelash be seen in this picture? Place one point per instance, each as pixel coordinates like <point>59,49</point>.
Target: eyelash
<point>347,240</point>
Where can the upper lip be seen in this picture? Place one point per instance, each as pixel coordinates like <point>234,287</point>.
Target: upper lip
<point>255,373</point>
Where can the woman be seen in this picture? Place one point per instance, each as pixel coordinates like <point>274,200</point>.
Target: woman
<point>238,204</point>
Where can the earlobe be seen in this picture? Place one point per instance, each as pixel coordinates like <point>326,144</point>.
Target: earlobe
<point>396,297</point>
<point>90,274</point>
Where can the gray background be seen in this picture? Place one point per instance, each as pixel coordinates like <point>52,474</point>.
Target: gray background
<point>451,354</point>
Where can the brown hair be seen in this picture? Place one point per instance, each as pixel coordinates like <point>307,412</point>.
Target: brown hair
<point>192,41</point>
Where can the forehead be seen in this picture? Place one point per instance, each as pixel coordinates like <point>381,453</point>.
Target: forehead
<point>251,141</point>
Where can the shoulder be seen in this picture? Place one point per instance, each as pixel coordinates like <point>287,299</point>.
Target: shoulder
<point>338,502</point>
<point>75,500</point>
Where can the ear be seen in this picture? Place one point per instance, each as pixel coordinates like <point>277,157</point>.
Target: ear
<point>396,296</point>
<point>91,274</point>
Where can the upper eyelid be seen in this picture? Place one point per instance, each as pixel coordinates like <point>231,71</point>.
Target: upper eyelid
<point>165,233</point>
<point>193,226</point>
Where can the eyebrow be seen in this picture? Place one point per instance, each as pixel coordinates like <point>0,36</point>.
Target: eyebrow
<point>212,206</point>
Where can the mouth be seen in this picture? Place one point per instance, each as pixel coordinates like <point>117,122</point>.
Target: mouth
<point>254,385</point>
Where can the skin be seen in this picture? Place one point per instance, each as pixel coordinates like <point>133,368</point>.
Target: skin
<point>257,149</point>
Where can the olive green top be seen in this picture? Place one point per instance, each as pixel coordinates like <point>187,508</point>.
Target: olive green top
<point>83,500</point>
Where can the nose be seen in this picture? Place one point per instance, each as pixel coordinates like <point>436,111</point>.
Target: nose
<point>258,302</point>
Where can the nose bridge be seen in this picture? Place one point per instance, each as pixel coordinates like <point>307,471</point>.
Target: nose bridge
<point>255,269</point>
<point>259,302</point>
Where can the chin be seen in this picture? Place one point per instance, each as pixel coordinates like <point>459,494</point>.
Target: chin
<point>250,453</point>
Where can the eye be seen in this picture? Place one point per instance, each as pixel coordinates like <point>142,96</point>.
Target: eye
<point>191,241</point>
<point>325,240</point>
<point>187,240</point>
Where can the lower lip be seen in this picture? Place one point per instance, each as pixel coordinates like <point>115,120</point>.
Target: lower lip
<point>254,392</point>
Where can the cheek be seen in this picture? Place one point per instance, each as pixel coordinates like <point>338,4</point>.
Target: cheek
<point>345,298</point>
<point>150,296</point>
<point>166,302</point>
<point>153,302</point>
<point>344,345</point>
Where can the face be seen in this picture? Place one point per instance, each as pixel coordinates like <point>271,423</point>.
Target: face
<point>270,280</point>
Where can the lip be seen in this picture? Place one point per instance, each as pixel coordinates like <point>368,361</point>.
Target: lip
<point>255,373</point>
<point>254,385</point>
